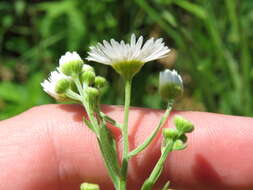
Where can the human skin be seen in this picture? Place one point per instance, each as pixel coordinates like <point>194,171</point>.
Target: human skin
<point>49,148</point>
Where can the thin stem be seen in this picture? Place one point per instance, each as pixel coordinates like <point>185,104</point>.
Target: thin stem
<point>78,84</point>
<point>125,132</point>
<point>105,144</point>
<point>151,180</point>
<point>154,133</point>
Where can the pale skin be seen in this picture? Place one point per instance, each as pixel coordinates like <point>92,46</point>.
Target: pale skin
<point>49,148</point>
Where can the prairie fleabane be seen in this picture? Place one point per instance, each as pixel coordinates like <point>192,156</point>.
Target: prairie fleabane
<point>128,58</point>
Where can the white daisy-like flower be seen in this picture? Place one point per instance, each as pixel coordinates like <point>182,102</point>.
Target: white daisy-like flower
<point>128,58</point>
<point>170,84</point>
<point>70,63</point>
<point>50,85</point>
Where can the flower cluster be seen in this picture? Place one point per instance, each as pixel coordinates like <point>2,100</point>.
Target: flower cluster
<point>73,78</point>
<point>76,81</point>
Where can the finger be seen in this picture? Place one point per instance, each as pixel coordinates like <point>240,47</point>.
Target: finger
<point>49,148</point>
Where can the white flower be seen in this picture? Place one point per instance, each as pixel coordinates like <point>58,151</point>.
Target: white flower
<point>128,58</point>
<point>69,57</point>
<point>168,76</point>
<point>70,63</point>
<point>49,86</point>
<point>170,84</point>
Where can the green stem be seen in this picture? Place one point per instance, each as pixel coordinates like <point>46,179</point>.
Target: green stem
<point>154,133</point>
<point>151,180</point>
<point>106,145</point>
<point>125,133</point>
<point>78,84</point>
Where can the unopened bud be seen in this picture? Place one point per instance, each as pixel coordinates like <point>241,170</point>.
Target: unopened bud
<point>100,82</point>
<point>183,125</point>
<point>92,92</point>
<point>88,77</point>
<point>71,64</point>
<point>170,133</point>
<point>170,84</point>
<point>62,85</point>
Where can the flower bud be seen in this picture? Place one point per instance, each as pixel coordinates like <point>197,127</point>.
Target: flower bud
<point>86,68</point>
<point>88,77</point>
<point>183,125</point>
<point>71,64</point>
<point>62,85</point>
<point>54,87</point>
<point>170,84</point>
<point>100,82</point>
<point>179,145</point>
<point>89,186</point>
<point>92,92</point>
<point>170,133</point>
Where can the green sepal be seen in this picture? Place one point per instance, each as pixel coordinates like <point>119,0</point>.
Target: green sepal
<point>72,68</point>
<point>170,91</point>
<point>62,85</point>
<point>127,69</point>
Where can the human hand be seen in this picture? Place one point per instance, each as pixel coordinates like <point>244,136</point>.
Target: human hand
<point>49,148</point>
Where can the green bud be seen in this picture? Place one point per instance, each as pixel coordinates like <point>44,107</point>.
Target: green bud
<point>88,77</point>
<point>183,125</point>
<point>89,186</point>
<point>62,85</point>
<point>179,145</point>
<point>92,92</point>
<point>170,84</point>
<point>100,82</point>
<point>71,68</point>
<point>70,64</point>
<point>170,133</point>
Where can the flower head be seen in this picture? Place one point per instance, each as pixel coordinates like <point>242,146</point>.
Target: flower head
<point>57,82</point>
<point>128,58</point>
<point>170,84</point>
<point>70,63</point>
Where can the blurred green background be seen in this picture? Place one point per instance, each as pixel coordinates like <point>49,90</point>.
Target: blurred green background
<point>212,43</point>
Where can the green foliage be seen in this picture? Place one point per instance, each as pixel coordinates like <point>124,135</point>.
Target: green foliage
<point>213,42</point>
<point>16,98</point>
